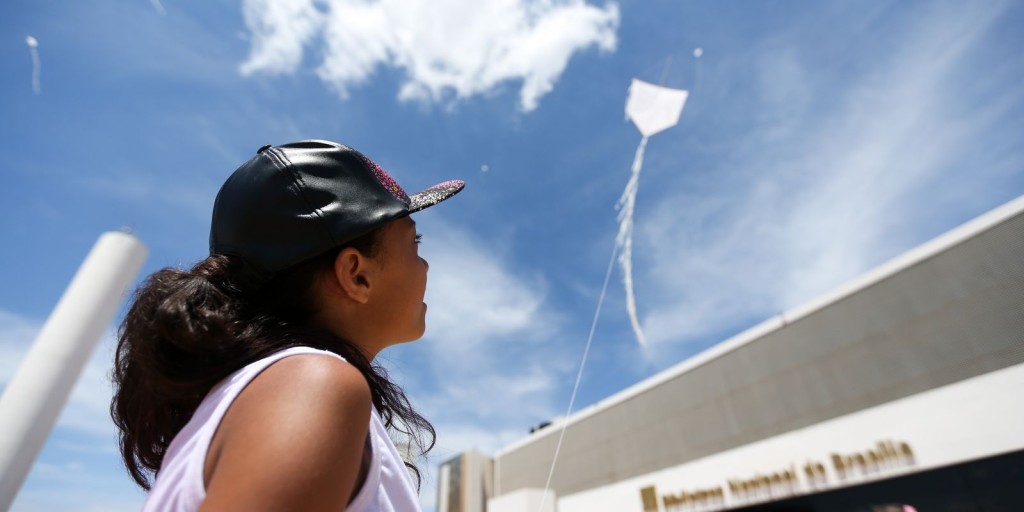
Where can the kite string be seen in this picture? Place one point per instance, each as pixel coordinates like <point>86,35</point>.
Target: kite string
<point>579,374</point>
<point>623,239</point>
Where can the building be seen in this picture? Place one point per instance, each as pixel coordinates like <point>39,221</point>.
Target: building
<point>465,483</point>
<point>904,387</point>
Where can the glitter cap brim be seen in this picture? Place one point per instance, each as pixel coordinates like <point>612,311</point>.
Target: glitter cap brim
<point>434,195</point>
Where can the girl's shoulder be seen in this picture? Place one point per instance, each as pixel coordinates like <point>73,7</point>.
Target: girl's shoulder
<point>294,435</point>
<point>313,387</point>
<point>315,372</point>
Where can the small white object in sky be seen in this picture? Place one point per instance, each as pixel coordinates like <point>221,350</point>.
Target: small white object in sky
<point>484,168</point>
<point>652,108</point>
<point>158,6</point>
<point>698,52</point>
<point>33,49</point>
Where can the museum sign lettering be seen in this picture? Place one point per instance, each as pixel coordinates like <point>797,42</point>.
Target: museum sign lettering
<point>809,476</point>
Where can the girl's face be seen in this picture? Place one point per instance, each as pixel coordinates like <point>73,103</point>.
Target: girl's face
<point>401,283</point>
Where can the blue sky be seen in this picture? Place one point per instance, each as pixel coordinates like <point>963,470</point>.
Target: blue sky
<point>819,141</point>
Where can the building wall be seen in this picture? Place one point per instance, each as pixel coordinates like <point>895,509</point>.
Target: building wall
<point>479,477</point>
<point>968,420</point>
<point>945,317</point>
<point>465,483</point>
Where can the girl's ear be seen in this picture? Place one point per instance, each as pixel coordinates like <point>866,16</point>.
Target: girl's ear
<point>353,273</point>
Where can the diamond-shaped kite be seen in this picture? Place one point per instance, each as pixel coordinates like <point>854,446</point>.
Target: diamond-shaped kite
<point>652,108</point>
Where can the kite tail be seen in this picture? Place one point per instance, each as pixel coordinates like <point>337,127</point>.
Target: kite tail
<point>36,88</point>
<point>624,240</point>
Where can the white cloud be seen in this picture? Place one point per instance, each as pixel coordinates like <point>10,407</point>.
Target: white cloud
<point>446,48</point>
<point>484,370</point>
<point>816,197</point>
<point>280,30</point>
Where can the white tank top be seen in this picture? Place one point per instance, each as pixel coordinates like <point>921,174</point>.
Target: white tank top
<point>179,484</point>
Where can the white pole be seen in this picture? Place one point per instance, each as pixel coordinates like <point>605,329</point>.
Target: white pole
<point>36,394</point>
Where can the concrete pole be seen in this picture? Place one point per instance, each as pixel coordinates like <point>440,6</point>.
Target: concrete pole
<point>36,394</point>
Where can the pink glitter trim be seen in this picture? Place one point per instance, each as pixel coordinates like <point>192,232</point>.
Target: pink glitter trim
<point>446,185</point>
<point>387,181</point>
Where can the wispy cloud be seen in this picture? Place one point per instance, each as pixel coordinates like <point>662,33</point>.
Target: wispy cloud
<point>446,48</point>
<point>487,323</point>
<point>479,296</point>
<point>815,196</point>
<point>485,368</point>
<point>279,31</point>
<point>16,334</point>
<point>171,198</point>
<point>85,411</point>
<point>76,486</point>
<point>458,438</point>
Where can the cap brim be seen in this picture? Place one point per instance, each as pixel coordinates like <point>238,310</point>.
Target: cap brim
<point>434,195</point>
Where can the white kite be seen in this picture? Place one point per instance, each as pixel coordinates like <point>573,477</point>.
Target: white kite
<point>33,49</point>
<point>652,108</point>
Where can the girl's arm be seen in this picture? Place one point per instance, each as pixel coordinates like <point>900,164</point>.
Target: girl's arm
<point>292,440</point>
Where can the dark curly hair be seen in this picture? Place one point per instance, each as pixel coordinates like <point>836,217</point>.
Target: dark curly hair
<point>185,331</point>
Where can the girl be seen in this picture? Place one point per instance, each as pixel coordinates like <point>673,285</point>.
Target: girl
<point>247,382</point>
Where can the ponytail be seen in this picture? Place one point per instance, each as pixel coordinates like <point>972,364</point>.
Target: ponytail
<point>172,348</point>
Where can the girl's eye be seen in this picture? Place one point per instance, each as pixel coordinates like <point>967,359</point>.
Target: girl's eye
<point>419,238</point>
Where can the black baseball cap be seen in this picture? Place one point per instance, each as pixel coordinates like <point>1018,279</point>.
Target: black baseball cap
<point>292,202</point>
